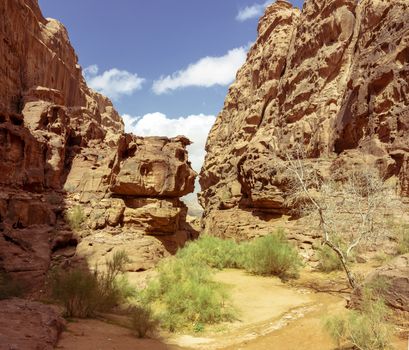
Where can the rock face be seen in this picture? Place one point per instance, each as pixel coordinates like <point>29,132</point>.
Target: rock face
<point>396,275</point>
<point>63,146</point>
<point>332,79</point>
<point>395,278</point>
<point>28,325</point>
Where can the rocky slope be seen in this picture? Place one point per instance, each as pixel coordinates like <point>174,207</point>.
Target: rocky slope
<point>69,175</point>
<point>332,79</point>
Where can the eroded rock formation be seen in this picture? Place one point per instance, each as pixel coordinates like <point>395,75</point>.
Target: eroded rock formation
<point>332,79</point>
<point>63,146</point>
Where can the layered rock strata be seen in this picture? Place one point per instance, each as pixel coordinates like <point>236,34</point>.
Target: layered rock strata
<point>333,80</point>
<point>63,147</point>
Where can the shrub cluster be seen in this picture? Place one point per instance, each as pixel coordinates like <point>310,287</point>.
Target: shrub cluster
<point>214,252</point>
<point>186,295</point>
<point>268,255</point>
<point>272,255</point>
<point>403,240</point>
<point>75,217</point>
<point>83,293</point>
<point>143,320</point>
<point>366,329</point>
<point>328,260</point>
<point>185,292</point>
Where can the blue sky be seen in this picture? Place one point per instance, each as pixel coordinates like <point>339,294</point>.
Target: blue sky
<point>165,64</point>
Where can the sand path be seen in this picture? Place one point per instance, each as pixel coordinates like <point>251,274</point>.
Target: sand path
<point>272,315</point>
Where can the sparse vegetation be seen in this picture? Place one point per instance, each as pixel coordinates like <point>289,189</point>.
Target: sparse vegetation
<point>143,321</point>
<point>83,292</point>
<point>367,329</point>
<point>269,255</point>
<point>381,258</point>
<point>272,255</point>
<point>185,294</point>
<point>214,252</point>
<point>77,290</point>
<point>349,209</point>
<point>403,240</point>
<point>9,287</point>
<point>328,260</point>
<point>75,217</point>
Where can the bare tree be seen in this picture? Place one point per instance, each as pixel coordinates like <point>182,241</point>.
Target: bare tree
<point>350,210</point>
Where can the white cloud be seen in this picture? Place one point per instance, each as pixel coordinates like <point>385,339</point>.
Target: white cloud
<point>206,72</point>
<point>195,127</point>
<point>113,83</point>
<point>91,70</point>
<point>253,11</point>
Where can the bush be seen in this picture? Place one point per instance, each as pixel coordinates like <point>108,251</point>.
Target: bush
<point>83,293</point>
<point>403,240</point>
<point>143,321</point>
<point>214,252</point>
<point>9,287</point>
<point>186,295</point>
<point>365,330</point>
<point>328,260</point>
<point>75,217</point>
<point>272,255</point>
<point>77,290</point>
<point>269,255</point>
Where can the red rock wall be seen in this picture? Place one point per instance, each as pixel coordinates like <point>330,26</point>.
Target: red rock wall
<point>63,145</point>
<point>332,78</point>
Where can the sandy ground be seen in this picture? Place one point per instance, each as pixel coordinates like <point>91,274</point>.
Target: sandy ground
<point>98,335</point>
<point>272,315</point>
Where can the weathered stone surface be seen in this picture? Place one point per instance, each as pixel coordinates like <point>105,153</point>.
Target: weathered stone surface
<point>28,325</point>
<point>396,277</point>
<point>144,251</point>
<point>332,80</point>
<point>153,167</point>
<point>155,217</point>
<point>63,146</point>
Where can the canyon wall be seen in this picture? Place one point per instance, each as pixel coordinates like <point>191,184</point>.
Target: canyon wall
<point>73,185</point>
<point>331,79</point>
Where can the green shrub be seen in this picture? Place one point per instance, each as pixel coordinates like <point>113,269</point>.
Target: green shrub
<point>214,252</point>
<point>381,258</point>
<point>365,330</point>
<point>272,255</point>
<point>77,290</point>
<point>328,260</point>
<point>75,217</point>
<point>83,293</point>
<point>403,240</point>
<point>186,295</point>
<point>9,287</point>
<point>143,320</point>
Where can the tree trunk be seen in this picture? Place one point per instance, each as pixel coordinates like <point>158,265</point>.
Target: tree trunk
<point>348,272</point>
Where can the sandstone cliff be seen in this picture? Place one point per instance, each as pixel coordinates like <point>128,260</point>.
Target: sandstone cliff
<point>63,146</point>
<point>332,78</point>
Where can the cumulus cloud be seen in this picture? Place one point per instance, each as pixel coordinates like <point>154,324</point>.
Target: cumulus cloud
<point>253,11</point>
<point>195,127</point>
<point>113,83</point>
<point>206,72</point>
